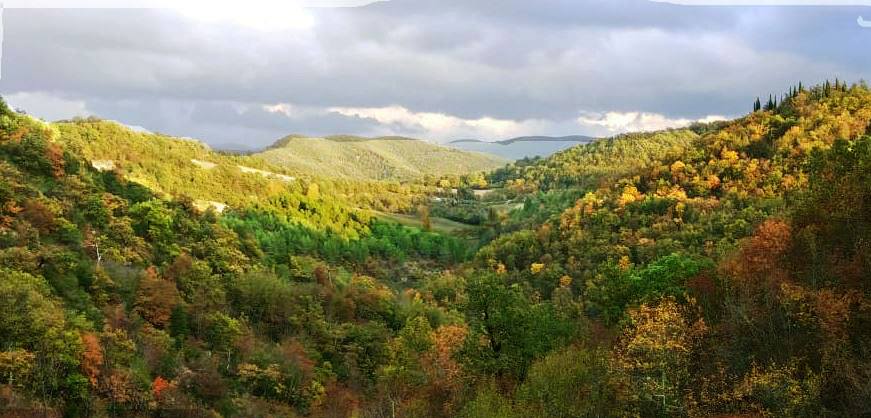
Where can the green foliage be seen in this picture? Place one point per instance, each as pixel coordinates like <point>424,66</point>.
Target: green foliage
<point>352,241</point>
<point>584,165</point>
<point>36,332</point>
<point>571,382</point>
<point>489,403</point>
<point>719,270</point>
<point>514,329</point>
<point>835,212</point>
<point>617,288</point>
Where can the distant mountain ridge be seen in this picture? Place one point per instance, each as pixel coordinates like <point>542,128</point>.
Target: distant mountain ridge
<point>523,146</point>
<point>380,158</point>
<point>283,142</point>
<point>535,138</point>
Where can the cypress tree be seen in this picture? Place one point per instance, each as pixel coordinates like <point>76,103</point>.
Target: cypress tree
<point>770,104</point>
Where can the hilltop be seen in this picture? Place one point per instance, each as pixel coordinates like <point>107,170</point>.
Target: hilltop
<point>383,158</point>
<point>186,168</point>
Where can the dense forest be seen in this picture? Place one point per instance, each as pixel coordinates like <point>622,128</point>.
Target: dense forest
<point>719,270</point>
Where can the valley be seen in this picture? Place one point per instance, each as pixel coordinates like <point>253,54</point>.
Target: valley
<point>721,269</point>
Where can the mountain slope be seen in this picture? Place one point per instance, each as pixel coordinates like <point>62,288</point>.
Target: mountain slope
<point>524,146</point>
<point>385,158</point>
<point>718,271</point>
<point>176,167</point>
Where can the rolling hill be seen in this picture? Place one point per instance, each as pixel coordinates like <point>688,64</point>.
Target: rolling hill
<point>524,146</point>
<point>728,262</point>
<point>384,158</point>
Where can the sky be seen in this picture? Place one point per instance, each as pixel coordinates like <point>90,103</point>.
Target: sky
<point>244,74</point>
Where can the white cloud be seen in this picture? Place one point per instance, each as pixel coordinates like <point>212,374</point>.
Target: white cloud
<point>768,2</point>
<point>285,109</point>
<point>144,4</point>
<point>261,15</point>
<point>616,122</point>
<point>47,106</point>
<point>441,126</point>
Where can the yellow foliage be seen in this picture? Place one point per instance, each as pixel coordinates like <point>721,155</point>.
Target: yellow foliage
<point>624,263</point>
<point>678,167</point>
<point>630,194</point>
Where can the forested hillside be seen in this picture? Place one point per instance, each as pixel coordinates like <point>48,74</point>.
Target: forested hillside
<point>173,167</point>
<point>721,270</point>
<point>388,158</point>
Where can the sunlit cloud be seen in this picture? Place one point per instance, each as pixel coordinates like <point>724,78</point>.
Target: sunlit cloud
<point>616,122</point>
<point>265,15</point>
<point>261,15</point>
<point>767,2</point>
<point>441,126</point>
<point>47,106</point>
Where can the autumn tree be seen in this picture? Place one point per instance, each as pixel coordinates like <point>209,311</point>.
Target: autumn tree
<point>156,298</point>
<point>654,355</point>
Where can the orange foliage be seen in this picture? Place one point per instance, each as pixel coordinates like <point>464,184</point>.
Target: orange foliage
<point>340,401</point>
<point>55,155</point>
<point>8,211</point>
<point>92,358</point>
<point>156,298</point>
<point>179,267</point>
<point>444,372</point>
<point>159,386</point>
<point>758,261</point>
<point>39,215</point>
<point>119,388</point>
<point>293,350</point>
<point>322,275</point>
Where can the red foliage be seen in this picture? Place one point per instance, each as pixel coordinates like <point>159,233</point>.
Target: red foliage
<point>159,386</point>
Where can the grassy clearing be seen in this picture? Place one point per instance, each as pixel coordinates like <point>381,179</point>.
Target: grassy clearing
<point>440,225</point>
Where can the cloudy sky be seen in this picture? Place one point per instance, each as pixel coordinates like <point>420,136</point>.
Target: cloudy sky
<point>247,73</point>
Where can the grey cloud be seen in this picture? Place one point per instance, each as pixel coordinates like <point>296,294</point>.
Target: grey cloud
<point>225,122</point>
<point>507,59</point>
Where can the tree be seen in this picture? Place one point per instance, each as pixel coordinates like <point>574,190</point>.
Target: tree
<point>654,354</point>
<point>571,382</point>
<point>92,359</point>
<point>515,330</point>
<point>33,326</point>
<point>156,298</point>
<point>425,221</point>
